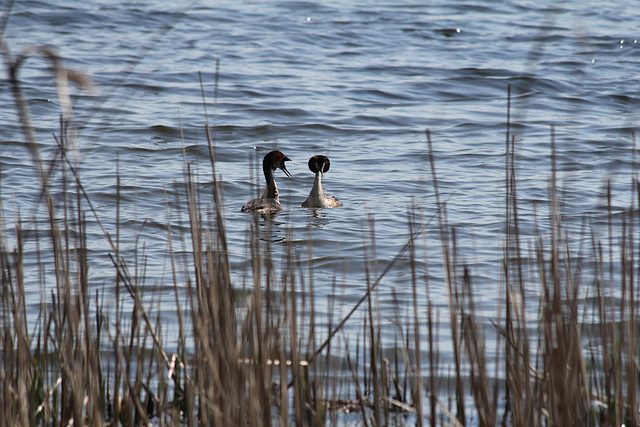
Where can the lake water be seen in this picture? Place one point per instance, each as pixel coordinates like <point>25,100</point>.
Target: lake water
<point>356,81</point>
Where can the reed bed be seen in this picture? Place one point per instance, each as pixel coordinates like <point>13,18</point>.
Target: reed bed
<point>254,354</point>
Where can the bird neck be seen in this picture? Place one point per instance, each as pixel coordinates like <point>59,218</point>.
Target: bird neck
<point>271,189</point>
<point>317,186</point>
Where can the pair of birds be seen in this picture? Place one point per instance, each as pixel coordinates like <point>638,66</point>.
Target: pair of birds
<point>270,200</point>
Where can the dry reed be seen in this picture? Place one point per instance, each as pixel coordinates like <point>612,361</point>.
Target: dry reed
<point>261,362</point>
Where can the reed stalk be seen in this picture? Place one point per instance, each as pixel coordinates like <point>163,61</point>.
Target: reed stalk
<point>254,354</point>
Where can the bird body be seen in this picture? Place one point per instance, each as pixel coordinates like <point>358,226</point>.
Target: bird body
<point>270,200</point>
<point>317,198</point>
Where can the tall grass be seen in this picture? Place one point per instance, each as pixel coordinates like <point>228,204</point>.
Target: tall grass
<point>255,355</point>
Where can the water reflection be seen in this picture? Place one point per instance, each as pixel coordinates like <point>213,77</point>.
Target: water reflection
<point>318,218</point>
<point>270,217</point>
<point>271,229</point>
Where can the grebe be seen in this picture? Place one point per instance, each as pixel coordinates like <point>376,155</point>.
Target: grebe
<point>270,200</point>
<point>317,199</point>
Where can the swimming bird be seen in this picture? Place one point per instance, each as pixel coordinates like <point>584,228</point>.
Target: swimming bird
<point>317,199</point>
<point>270,200</point>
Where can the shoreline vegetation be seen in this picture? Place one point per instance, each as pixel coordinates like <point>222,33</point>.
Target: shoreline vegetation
<point>256,356</point>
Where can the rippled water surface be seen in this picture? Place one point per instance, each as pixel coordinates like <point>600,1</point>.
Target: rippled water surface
<point>357,81</point>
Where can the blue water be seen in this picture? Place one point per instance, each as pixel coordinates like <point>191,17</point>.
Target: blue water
<point>359,82</point>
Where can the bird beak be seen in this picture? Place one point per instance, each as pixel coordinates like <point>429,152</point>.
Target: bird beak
<point>283,167</point>
<point>322,168</point>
